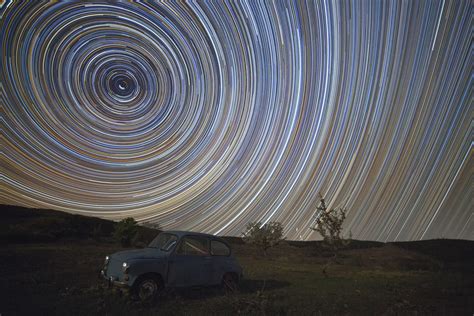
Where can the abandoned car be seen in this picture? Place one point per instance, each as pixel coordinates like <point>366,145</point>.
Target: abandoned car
<point>173,259</point>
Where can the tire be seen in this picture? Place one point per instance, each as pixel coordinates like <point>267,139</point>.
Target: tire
<point>147,288</point>
<point>230,282</point>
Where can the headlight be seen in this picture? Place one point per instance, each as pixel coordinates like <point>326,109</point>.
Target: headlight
<point>106,260</point>
<point>125,267</point>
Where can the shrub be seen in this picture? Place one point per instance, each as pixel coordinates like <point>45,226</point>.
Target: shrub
<point>125,231</point>
<point>329,225</point>
<point>263,236</point>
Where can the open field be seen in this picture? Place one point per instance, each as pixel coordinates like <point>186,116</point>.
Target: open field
<point>58,274</point>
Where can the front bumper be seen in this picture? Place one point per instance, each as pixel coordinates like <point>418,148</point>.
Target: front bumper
<point>112,281</point>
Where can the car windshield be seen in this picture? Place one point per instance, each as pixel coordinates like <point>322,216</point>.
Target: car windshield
<point>164,241</point>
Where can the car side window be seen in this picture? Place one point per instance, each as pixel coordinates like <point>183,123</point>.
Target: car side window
<point>219,248</point>
<point>193,246</point>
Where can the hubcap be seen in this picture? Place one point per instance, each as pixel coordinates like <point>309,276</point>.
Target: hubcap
<point>148,289</point>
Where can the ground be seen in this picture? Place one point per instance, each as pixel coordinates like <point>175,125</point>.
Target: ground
<point>58,275</point>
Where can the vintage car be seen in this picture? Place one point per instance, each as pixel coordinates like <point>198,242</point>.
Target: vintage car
<point>173,259</point>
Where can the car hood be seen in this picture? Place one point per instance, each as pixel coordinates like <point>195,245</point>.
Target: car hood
<point>146,253</point>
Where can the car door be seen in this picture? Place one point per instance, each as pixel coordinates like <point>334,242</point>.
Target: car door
<point>220,253</point>
<point>191,263</point>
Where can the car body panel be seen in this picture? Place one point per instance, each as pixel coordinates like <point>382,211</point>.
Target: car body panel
<point>189,271</point>
<point>222,265</point>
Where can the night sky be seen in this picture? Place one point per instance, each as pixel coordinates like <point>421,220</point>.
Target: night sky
<point>206,116</point>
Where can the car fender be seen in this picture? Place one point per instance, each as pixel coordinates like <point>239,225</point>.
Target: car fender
<point>144,266</point>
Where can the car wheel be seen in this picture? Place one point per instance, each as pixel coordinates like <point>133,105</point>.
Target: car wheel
<point>230,283</point>
<point>147,288</point>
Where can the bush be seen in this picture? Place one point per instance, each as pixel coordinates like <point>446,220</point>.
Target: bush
<point>329,225</point>
<point>263,236</point>
<point>125,231</point>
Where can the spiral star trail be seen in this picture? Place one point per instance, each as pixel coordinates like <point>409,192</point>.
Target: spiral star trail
<point>206,116</point>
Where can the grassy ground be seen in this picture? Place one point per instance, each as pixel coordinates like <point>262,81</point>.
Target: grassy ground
<point>60,277</point>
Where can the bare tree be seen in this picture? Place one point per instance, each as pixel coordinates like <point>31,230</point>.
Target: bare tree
<point>328,224</point>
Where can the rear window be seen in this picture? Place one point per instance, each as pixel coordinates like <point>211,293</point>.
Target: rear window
<point>194,246</point>
<point>219,248</point>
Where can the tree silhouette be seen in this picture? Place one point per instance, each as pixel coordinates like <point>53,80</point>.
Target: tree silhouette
<point>328,224</point>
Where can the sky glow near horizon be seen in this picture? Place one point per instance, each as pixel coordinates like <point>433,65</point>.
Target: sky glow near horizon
<point>207,116</point>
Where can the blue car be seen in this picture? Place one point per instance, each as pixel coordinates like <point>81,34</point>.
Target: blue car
<point>173,259</point>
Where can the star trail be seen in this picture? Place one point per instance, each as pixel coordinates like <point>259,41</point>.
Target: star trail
<point>205,116</point>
